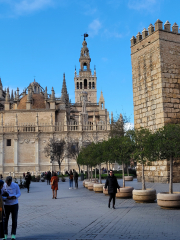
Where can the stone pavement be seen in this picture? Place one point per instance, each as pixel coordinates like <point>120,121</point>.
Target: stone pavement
<point>81,214</point>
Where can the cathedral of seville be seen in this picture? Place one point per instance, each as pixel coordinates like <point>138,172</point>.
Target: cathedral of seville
<point>155,57</point>
<point>29,119</point>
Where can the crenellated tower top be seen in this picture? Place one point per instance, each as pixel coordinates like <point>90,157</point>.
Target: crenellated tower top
<point>151,29</point>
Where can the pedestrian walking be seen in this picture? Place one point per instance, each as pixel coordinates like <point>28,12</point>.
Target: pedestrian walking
<point>70,179</point>
<point>11,206</point>
<point>75,176</point>
<point>28,180</point>
<point>112,184</point>
<point>1,211</point>
<point>48,177</point>
<point>54,185</point>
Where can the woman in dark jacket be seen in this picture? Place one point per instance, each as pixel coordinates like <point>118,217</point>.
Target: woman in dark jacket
<point>112,184</point>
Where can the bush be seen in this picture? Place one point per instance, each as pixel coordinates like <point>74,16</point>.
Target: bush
<point>118,175</point>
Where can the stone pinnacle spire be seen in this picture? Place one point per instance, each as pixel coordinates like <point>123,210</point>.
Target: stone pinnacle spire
<point>64,88</point>
<point>12,96</point>
<point>64,93</point>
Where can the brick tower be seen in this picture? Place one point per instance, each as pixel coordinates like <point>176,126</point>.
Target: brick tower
<point>155,57</point>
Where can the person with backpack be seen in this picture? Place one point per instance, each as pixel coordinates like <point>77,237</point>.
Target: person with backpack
<point>28,180</point>
<point>11,206</point>
<point>70,179</point>
<point>75,176</point>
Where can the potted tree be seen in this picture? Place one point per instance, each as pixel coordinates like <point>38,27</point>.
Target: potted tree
<point>143,140</point>
<point>121,151</point>
<point>167,147</point>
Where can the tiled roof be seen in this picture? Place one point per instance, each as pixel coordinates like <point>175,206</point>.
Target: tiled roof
<point>38,102</point>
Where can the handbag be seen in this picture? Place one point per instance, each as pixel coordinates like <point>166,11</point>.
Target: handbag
<point>52,182</point>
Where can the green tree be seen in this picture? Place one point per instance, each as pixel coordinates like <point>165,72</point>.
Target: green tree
<point>121,149</point>
<point>87,157</point>
<point>55,149</point>
<point>143,148</point>
<point>167,146</point>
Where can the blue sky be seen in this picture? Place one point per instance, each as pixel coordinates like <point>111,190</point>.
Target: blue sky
<point>42,38</point>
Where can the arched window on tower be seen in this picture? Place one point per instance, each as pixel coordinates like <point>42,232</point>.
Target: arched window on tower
<point>89,85</point>
<point>77,85</point>
<point>80,85</point>
<point>85,83</point>
<point>85,66</point>
<point>102,105</point>
<point>35,89</point>
<point>93,85</point>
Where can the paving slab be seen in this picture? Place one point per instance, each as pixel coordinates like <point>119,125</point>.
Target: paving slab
<point>80,214</point>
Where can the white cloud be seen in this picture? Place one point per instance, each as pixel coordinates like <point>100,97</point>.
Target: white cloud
<point>31,5</point>
<point>20,7</point>
<point>129,126</point>
<point>142,4</point>
<point>94,27</point>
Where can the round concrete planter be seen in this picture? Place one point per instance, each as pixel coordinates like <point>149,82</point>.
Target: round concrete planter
<point>90,186</point>
<point>144,196</point>
<point>168,201</point>
<point>105,191</point>
<point>128,178</point>
<point>125,192</point>
<point>98,187</point>
<point>86,184</point>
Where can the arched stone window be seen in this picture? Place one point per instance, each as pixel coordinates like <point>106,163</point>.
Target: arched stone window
<point>77,85</point>
<point>85,66</point>
<point>93,85</point>
<point>80,85</point>
<point>89,85</point>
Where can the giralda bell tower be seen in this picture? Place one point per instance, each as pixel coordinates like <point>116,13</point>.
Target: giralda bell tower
<point>85,81</point>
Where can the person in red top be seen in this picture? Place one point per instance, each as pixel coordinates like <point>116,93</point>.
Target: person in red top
<point>54,185</point>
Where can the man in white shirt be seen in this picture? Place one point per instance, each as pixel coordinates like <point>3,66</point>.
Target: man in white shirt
<point>11,206</point>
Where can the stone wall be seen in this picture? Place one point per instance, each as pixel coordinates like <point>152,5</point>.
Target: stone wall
<point>155,57</point>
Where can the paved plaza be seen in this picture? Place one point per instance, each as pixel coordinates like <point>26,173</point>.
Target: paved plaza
<point>82,214</point>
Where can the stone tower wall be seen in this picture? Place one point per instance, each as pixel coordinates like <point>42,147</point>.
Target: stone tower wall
<point>155,56</point>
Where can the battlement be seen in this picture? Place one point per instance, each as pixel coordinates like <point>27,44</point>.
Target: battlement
<point>151,29</point>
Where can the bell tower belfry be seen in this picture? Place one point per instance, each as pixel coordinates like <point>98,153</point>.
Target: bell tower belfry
<point>85,81</point>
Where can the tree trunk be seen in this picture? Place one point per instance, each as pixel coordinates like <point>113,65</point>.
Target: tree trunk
<point>171,176</point>
<point>123,174</point>
<point>143,180</point>
<point>107,168</point>
<point>127,170</point>
<point>79,168</point>
<point>95,173</point>
<point>100,173</point>
<point>91,174</point>
<point>87,173</point>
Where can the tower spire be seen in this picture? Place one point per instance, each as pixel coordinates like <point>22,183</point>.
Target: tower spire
<point>64,93</point>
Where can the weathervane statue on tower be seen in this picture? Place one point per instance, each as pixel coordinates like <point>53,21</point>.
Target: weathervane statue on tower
<point>85,35</point>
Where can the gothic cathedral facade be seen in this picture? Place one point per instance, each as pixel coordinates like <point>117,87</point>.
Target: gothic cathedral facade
<point>29,119</point>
